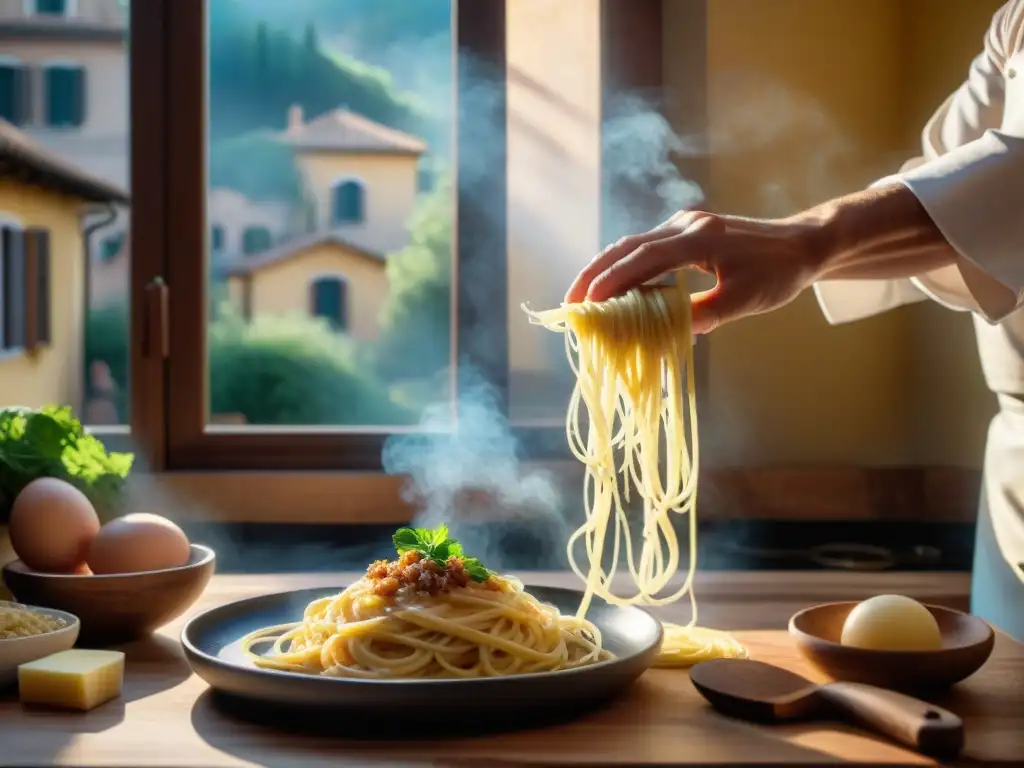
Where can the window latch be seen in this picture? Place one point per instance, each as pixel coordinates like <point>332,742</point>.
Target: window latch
<point>156,338</point>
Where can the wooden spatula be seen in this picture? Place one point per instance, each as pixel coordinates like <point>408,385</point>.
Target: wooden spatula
<point>753,690</point>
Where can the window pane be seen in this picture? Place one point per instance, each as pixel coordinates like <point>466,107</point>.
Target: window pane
<point>331,286</point>
<point>87,291</point>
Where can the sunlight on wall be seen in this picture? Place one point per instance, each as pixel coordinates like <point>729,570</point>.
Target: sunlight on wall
<point>808,100</point>
<point>52,374</point>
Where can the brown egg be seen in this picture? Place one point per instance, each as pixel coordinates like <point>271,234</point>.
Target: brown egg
<point>52,525</point>
<point>138,542</point>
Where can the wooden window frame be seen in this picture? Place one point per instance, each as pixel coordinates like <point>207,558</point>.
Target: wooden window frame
<point>169,242</point>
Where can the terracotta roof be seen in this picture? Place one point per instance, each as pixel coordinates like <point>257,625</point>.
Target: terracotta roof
<point>26,161</point>
<point>341,130</point>
<point>246,265</point>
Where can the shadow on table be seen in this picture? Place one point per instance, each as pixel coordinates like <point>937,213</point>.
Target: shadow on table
<point>169,669</point>
<point>213,713</point>
<point>153,664</point>
<point>256,733</point>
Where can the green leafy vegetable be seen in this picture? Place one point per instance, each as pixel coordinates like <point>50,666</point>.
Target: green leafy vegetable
<point>438,546</point>
<point>51,442</point>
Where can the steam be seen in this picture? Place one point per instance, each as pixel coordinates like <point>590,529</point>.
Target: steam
<point>474,480</point>
<point>642,183</point>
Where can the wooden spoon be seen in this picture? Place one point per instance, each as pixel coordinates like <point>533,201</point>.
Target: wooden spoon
<point>753,690</point>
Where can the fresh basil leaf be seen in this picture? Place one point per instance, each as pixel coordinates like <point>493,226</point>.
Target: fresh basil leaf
<point>446,549</point>
<point>441,535</point>
<point>454,548</point>
<point>406,539</point>
<point>475,569</point>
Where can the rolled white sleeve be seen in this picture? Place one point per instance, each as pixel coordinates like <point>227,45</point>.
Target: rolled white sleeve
<point>974,194</point>
<point>971,183</point>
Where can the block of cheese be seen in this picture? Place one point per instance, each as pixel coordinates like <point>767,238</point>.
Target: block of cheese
<point>75,679</point>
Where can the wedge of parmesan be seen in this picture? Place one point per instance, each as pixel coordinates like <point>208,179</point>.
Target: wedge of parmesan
<point>76,679</point>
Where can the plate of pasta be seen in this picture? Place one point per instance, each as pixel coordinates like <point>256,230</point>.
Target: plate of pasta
<point>430,625</point>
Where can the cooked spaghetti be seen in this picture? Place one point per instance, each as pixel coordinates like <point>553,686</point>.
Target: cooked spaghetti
<point>431,613</point>
<point>633,360</point>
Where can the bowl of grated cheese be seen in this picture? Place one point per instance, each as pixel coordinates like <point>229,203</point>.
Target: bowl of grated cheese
<point>28,633</point>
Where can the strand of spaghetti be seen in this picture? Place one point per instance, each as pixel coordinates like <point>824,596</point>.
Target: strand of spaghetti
<point>633,360</point>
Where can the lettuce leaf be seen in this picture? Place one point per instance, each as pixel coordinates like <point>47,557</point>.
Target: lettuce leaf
<point>51,442</point>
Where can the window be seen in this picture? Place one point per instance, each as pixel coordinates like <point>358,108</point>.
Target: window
<point>111,247</point>
<point>15,92</point>
<point>52,7</point>
<point>349,202</point>
<point>329,300</point>
<point>410,305</point>
<point>217,238</point>
<point>25,287</point>
<point>65,87</point>
<point>256,240</point>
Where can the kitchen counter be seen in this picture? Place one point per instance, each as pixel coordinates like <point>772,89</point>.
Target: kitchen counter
<point>167,716</point>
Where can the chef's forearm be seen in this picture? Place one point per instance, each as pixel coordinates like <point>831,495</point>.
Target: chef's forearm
<point>881,233</point>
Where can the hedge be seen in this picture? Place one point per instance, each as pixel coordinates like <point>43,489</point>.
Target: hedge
<point>273,371</point>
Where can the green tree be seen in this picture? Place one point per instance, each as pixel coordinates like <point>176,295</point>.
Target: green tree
<point>310,39</point>
<point>258,70</point>
<point>257,165</point>
<point>262,51</point>
<point>416,322</point>
<point>275,370</point>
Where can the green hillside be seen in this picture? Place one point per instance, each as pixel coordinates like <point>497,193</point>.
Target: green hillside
<point>257,71</point>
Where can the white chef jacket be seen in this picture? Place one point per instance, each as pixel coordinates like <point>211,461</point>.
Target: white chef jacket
<point>971,182</point>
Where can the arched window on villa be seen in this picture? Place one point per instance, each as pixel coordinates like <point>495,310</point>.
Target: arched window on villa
<point>348,204</point>
<point>328,298</point>
<point>256,240</point>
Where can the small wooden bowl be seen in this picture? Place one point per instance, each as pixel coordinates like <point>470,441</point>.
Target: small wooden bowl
<point>967,643</point>
<point>118,607</point>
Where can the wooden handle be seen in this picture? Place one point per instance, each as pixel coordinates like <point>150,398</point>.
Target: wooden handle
<point>928,729</point>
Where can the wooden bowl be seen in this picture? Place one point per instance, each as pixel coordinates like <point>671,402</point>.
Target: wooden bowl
<point>967,643</point>
<point>118,607</point>
<point>16,651</point>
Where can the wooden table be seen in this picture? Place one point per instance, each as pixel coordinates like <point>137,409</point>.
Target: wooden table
<point>166,717</point>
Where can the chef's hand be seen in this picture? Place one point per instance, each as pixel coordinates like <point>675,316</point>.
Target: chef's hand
<point>760,264</point>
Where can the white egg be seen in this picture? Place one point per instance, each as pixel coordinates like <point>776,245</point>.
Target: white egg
<point>892,623</point>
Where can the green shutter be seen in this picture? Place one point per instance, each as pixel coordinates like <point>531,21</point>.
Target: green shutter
<point>41,253</point>
<point>54,7</point>
<point>12,246</point>
<point>65,96</point>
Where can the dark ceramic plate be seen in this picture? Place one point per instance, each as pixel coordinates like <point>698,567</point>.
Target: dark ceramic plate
<point>386,708</point>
